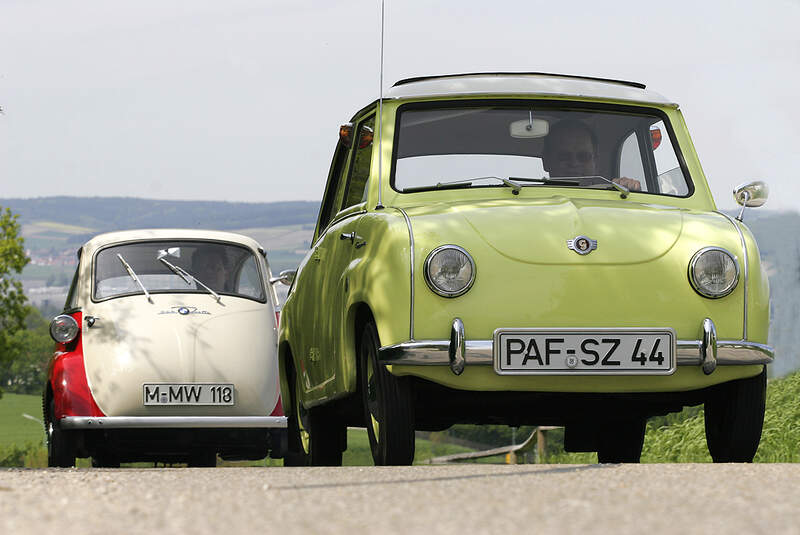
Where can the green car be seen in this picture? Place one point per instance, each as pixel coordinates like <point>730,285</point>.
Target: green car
<point>523,249</point>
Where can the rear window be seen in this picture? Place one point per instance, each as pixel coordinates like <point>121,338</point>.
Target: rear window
<point>177,267</point>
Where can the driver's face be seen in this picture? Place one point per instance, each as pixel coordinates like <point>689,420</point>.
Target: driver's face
<point>212,272</point>
<point>572,154</point>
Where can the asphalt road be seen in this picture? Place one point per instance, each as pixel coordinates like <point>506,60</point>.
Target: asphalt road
<point>461,499</point>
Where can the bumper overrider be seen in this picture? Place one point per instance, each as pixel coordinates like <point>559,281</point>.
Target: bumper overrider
<point>173,422</point>
<point>458,352</point>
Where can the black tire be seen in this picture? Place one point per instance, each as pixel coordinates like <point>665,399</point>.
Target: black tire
<point>388,406</point>
<point>734,417</point>
<point>316,437</point>
<point>202,459</point>
<point>621,442</point>
<point>105,461</point>
<point>60,443</point>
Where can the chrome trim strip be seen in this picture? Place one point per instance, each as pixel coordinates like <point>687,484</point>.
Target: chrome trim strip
<point>411,245</point>
<point>147,422</point>
<point>479,353</point>
<point>744,259</point>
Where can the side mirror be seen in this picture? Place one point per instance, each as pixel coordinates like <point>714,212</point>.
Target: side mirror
<point>751,194</point>
<point>284,277</point>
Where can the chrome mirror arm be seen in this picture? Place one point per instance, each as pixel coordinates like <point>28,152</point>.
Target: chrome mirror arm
<point>745,197</point>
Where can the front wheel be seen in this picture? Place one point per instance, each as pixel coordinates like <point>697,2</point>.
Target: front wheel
<point>734,417</point>
<point>60,444</point>
<point>388,406</point>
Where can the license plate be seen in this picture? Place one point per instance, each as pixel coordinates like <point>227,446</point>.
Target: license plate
<point>188,394</point>
<point>584,351</point>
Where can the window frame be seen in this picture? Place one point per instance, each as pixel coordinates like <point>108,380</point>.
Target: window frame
<point>94,299</point>
<point>575,105</point>
<point>351,165</point>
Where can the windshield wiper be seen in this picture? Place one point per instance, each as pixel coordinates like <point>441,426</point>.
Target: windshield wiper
<point>623,191</point>
<point>545,180</point>
<point>440,185</point>
<point>185,275</point>
<point>465,183</point>
<point>132,273</point>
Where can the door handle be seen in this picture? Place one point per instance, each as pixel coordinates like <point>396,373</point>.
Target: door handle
<point>352,236</point>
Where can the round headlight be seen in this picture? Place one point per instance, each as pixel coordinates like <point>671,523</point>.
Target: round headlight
<point>64,329</point>
<point>713,272</point>
<point>449,271</point>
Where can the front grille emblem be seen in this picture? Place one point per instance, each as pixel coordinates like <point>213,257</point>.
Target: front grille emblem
<point>582,245</point>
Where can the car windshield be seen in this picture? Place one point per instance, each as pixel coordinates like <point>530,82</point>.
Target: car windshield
<point>479,146</point>
<point>177,267</point>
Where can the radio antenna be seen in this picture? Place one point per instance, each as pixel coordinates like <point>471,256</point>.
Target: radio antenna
<point>380,123</point>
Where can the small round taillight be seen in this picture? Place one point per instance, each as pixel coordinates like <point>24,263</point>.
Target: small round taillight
<point>64,329</point>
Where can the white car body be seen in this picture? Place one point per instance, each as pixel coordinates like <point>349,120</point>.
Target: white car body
<point>179,339</point>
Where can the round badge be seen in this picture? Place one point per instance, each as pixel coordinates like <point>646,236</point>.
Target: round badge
<point>572,361</point>
<point>183,311</point>
<point>583,244</point>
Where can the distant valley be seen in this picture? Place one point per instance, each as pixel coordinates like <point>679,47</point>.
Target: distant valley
<point>54,228</point>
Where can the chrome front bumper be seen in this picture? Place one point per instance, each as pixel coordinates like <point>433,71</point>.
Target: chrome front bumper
<point>172,422</point>
<point>459,352</point>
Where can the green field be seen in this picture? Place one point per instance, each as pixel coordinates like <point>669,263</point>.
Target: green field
<point>15,429</point>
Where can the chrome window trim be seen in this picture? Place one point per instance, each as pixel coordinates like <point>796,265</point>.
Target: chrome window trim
<point>694,283</point>
<point>746,274</point>
<point>411,247</point>
<point>439,291</point>
<point>167,422</point>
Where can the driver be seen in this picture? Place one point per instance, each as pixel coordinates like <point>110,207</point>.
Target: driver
<point>209,267</point>
<point>570,150</point>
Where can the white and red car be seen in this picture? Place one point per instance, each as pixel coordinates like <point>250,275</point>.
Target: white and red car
<point>166,352</point>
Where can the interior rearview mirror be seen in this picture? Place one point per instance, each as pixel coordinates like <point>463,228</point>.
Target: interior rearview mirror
<point>529,128</point>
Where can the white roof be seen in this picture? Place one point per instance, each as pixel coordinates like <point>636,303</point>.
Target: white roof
<point>502,84</point>
<point>102,240</point>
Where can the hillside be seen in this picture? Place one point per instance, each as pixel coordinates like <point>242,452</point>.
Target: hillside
<point>54,227</point>
<point>102,214</point>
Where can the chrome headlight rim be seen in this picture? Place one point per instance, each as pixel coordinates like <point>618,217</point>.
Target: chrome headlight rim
<point>697,288</point>
<point>439,291</point>
<point>72,324</point>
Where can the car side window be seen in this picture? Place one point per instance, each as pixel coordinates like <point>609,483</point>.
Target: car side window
<point>359,170</point>
<point>72,295</point>
<point>248,282</point>
<point>630,160</point>
<point>334,179</point>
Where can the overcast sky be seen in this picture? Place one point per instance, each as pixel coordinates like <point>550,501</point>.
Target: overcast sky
<point>241,100</point>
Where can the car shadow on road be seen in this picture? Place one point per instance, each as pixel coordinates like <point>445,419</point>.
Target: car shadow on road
<point>516,473</point>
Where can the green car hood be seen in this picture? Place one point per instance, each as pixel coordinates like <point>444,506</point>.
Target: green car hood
<point>536,231</point>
